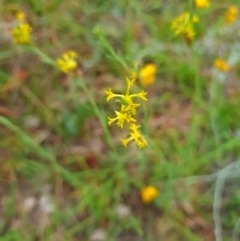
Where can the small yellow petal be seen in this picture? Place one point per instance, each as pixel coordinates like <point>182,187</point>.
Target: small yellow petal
<point>111,120</point>
<point>140,95</point>
<point>130,82</point>
<point>109,94</point>
<point>125,141</point>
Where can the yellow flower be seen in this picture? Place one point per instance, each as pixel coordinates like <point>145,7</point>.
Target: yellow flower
<point>67,62</point>
<point>147,74</point>
<point>231,14</point>
<point>149,193</point>
<point>22,33</point>
<point>20,15</point>
<point>121,118</point>
<point>127,104</point>
<point>136,136</point>
<point>221,65</point>
<point>202,3</point>
<point>130,107</point>
<point>184,25</point>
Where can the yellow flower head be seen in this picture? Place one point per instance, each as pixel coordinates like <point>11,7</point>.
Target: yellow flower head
<point>127,104</point>
<point>202,3</point>
<point>22,33</point>
<point>135,136</point>
<point>67,62</point>
<point>20,15</point>
<point>149,193</point>
<point>221,65</point>
<point>231,14</point>
<point>184,25</point>
<point>121,118</point>
<point>148,74</point>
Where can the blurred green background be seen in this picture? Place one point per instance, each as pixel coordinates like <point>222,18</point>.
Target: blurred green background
<point>64,174</point>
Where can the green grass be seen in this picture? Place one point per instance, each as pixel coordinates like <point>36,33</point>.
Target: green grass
<point>56,143</point>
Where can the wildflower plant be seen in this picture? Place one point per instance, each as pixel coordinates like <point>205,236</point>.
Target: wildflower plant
<point>127,113</point>
<point>126,101</point>
<point>184,24</point>
<point>21,33</point>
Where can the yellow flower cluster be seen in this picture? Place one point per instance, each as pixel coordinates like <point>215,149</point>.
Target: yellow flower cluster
<point>127,113</point>
<point>149,193</point>
<point>22,32</point>
<point>136,136</point>
<point>67,62</point>
<point>231,14</point>
<point>183,24</point>
<point>221,65</point>
<point>202,3</point>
